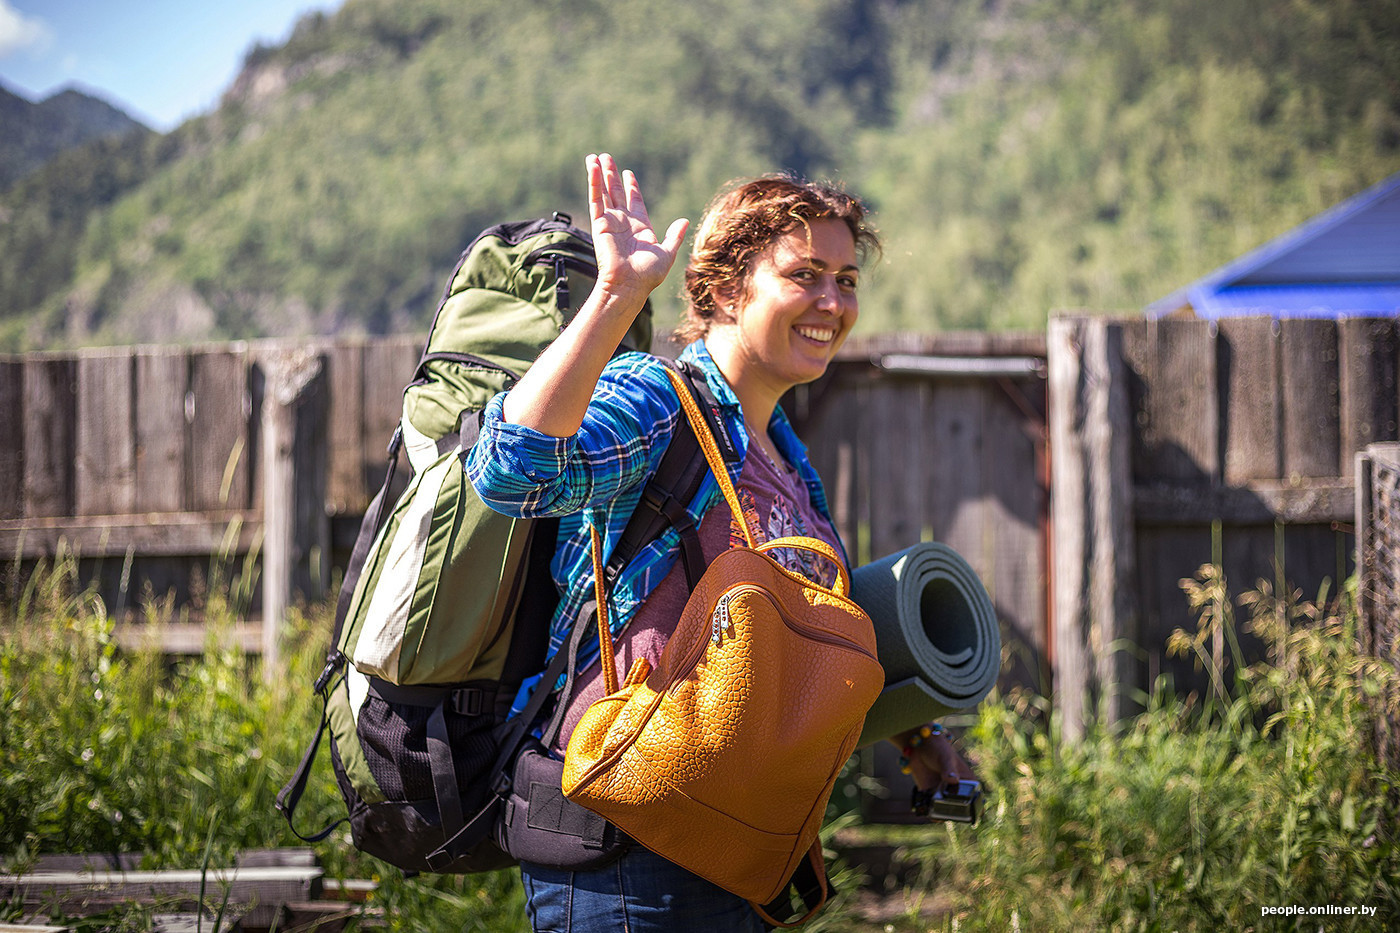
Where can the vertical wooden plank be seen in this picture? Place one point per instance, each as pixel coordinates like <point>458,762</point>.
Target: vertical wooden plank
<point>345,483</point>
<point>1166,555</point>
<point>218,408</point>
<point>1247,556</point>
<point>1367,362</point>
<point>105,462</point>
<point>1139,338</point>
<point>896,490</point>
<point>1095,606</point>
<point>862,552</point>
<point>1014,512</point>
<point>162,383</point>
<point>296,532</point>
<point>11,439</point>
<point>1184,404</point>
<point>953,469</point>
<point>388,366</point>
<point>50,402</point>
<point>1249,379</point>
<point>1311,404</point>
<point>1069,492</point>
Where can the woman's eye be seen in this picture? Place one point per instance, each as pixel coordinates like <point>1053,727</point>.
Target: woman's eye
<point>848,282</point>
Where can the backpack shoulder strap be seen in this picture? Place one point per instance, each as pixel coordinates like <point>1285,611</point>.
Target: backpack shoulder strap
<point>677,480</point>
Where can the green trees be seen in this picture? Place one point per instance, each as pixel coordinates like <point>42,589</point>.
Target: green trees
<point>1022,156</point>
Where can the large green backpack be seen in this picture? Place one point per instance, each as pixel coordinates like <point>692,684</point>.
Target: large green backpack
<point>446,604</point>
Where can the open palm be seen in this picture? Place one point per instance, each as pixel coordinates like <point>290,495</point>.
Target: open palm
<point>631,259</point>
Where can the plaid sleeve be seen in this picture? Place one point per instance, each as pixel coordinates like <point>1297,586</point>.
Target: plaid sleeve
<point>519,471</point>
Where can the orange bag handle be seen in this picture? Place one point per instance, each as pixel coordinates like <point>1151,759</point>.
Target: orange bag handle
<point>716,462</point>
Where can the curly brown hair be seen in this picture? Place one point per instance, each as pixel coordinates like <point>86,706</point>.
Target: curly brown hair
<point>740,223</point>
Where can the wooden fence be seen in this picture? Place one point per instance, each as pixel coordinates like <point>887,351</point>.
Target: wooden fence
<point>1182,442</point>
<point>1166,444</point>
<point>161,466</point>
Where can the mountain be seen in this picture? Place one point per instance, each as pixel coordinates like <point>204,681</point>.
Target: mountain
<point>35,133</point>
<point>1022,155</point>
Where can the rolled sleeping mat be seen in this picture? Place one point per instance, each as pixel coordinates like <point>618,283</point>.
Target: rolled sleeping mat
<point>936,632</point>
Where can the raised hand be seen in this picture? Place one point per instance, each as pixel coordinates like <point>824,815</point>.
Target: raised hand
<point>553,396</point>
<point>631,260</point>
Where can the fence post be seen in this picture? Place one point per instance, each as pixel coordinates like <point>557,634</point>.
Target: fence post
<point>1378,573</point>
<point>296,533</point>
<point>1094,563</point>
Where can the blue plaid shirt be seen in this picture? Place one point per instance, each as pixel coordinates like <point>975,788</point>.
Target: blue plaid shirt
<point>596,478</point>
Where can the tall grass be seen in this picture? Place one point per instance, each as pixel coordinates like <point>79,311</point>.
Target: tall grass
<point>1192,816</point>
<point>1199,812</point>
<point>105,750</point>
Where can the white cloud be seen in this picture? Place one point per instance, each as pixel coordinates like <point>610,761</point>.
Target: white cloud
<point>21,31</point>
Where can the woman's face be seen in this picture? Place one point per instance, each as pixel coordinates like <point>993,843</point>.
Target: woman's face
<point>794,310</point>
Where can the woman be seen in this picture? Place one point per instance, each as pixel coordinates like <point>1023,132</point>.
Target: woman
<point>771,293</point>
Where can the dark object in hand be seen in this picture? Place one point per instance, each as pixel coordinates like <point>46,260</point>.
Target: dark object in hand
<point>957,803</point>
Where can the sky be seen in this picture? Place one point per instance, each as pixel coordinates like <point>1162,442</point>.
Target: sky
<point>161,61</point>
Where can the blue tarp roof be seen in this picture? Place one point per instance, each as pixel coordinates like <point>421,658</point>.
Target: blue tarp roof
<point>1344,261</point>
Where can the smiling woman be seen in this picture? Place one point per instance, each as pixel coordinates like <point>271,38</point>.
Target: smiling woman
<point>771,292</point>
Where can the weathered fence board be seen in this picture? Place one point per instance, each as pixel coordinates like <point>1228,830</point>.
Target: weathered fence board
<point>1369,355</point>
<point>1311,409</point>
<point>11,438</point>
<point>1243,434</point>
<point>105,450</point>
<point>218,412</point>
<point>345,428</point>
<point>1247,349</point>
<point>162,380</point>
<point>48,404</point>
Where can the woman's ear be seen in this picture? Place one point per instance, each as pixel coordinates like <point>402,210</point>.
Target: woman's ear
<point>726,300</point>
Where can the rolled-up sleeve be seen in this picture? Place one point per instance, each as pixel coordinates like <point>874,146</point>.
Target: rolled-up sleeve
<point>519,471</point>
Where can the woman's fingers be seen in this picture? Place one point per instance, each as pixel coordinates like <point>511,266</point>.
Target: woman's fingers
<point>675,235</point>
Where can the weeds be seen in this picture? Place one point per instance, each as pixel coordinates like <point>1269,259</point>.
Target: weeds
<point>1191,816</point>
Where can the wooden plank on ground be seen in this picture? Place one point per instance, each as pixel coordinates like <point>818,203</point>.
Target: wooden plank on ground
<point>218,411</point>
<point>1368,356</point>
<point>1249,377</point>
<point>1311,404</point>
<point>104,481</point>
<point>49,413</point>
<point>162,383</point>
<point>247,887</point>
<point>191,638</point>
<point>11,438</point>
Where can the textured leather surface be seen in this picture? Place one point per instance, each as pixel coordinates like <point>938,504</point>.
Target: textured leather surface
<point>722,758</point>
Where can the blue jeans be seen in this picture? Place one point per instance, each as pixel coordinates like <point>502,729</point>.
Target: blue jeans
<point>639,893</point>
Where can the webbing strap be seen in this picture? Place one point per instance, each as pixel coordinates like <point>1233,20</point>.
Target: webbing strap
<point>291,793</point>
<point>476,829</point>
<point>449,800</point>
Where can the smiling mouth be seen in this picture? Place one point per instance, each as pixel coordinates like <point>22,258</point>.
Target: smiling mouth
<point>819,334</point>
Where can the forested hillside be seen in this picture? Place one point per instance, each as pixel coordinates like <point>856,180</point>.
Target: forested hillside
<point>1022,155</point>
<point>35,132</point>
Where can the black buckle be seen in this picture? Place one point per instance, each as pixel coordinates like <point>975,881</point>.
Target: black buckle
<point>333,664</point>
<point>467,701</point>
